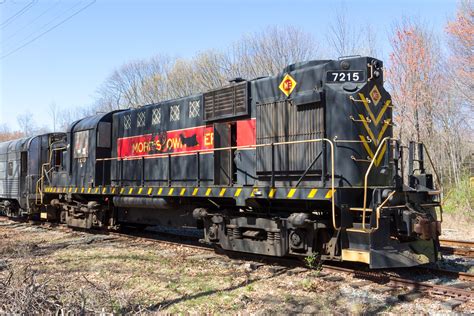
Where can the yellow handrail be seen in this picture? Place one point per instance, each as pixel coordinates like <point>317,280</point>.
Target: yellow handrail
<point>165,155</point>
<point>367,176</point>
<point>333,203</point>
<point>40,182</point>
<point>380,207</point>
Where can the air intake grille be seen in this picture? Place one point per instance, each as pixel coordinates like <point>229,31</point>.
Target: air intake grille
<point>226,102</point>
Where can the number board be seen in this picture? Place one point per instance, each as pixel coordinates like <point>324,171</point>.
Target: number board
<point>345,76</point>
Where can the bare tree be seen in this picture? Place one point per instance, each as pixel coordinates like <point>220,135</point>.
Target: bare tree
<point>426,104</point>
<point>27,124</point>
<point>69,115</point>
<point>54,112</point>
<point>134,84</point>
<point>414,76</point>
<point>7,134</point>
<point>151,80</point>
<point>348,38</point>
<point>268,52</point>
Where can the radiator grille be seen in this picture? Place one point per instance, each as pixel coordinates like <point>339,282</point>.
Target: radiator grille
<point>284,122</point>
<point>226,102</point>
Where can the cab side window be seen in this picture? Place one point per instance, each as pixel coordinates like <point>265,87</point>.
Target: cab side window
<point>81,144</point>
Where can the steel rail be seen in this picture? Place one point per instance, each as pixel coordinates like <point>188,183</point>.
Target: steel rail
<point>457,247</point>
<point>433,289</point>
<point>376,276</point>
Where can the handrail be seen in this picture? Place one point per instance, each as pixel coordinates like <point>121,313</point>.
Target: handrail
<point>377,214</point>
<point>367,176</point>
<point>166,155</point>
<point>333,203</point>
<point>40,182</point>
<point>438,182</point>
<point>187,153</point>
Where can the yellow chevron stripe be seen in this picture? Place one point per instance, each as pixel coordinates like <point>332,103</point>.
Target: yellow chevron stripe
<point>371,153</point>
<point>160,190</point>
<point>122,190</point>
<point>130,191</point>
<point>366,146</point>
<point>312,193</point>
<point>113,190</point>
<point>208,192</point>
<point>222,192</point>
<point>140,191</point>
<point>272,193</point>
<point>377,119</point>
<point>170,192</point>
<point>237,192</point>
<point>371,134</point>
<point>253,192</point>
<point>104,190</point>
<point>291,193</point>
<point>367,128</point>
<point>330,194</point>
<point>150,190</point>
<point>381,154</point>
<point>195,191</point>
<point>183,190</point>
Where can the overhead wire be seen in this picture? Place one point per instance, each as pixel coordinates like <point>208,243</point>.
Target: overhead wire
<point>37,30</point>
<point>30,23</point>
<point>47,31</point>
<point>8,21</point>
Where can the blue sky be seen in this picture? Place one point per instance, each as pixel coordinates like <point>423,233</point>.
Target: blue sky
<point>68,64</point>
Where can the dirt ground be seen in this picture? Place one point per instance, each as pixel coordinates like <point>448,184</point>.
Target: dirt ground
<point>458,226</point>
<point>45,270</point>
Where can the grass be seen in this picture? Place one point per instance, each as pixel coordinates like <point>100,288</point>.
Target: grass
<point>460,198</point>
<point>123,277</point>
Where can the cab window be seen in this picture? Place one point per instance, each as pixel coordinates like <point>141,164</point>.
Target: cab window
<point>81,144</point>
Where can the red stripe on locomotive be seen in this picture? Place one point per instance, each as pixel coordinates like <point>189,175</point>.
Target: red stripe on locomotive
<point>177,141</point>
<point>246,132</point>
<point>182,140</point>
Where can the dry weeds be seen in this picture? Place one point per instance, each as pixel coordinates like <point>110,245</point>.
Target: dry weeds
<point>49,271</point>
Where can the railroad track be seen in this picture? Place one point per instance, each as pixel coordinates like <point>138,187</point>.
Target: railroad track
<point>386,277</point>
<point>457,247</point>
<point>462,294</point>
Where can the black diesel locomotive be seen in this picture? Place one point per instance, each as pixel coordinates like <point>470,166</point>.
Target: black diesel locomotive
<point>297,164</point>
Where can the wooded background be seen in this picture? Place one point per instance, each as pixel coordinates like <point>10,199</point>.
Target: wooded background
<point>430,78</point>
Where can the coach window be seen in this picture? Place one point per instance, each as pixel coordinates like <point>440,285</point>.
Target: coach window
<point>10,168</point>
<point>81,144</point>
